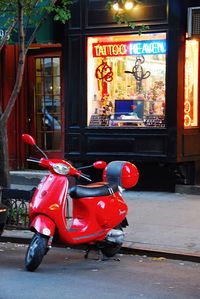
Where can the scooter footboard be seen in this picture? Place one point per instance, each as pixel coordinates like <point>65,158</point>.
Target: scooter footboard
<point>43,225</point>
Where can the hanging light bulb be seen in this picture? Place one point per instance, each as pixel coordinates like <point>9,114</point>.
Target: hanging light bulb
<point>116,6</point>
<point>128,5</point>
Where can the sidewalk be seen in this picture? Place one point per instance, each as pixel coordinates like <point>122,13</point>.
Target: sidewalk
<point>167,223</point>
<point>160,224</point>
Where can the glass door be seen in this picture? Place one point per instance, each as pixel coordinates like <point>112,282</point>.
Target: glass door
<point>45,109</point>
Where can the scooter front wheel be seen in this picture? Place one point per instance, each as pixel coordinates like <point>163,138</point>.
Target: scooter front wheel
<point>36,251</point>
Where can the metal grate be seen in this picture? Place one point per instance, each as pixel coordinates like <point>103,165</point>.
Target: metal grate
<point>194,22</point>
<point>17,202</point>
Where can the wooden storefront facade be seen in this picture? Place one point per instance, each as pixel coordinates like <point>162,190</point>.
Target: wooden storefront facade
<point>114,103</point>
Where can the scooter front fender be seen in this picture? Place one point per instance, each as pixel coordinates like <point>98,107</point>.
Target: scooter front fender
<point>43,225</point>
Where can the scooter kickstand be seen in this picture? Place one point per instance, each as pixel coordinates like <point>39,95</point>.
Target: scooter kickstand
<point>96,248</point>
<point>87,252</point>
<point>89,248</point>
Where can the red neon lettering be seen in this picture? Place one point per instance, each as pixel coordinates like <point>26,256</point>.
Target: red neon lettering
<point>107,49</point>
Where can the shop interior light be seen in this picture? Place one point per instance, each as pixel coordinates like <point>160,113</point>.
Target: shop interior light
<point>128,5</point>
<point>194,42</point>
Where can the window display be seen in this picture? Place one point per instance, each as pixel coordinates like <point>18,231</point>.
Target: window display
<point>191,84</point>
<point>126,80</point>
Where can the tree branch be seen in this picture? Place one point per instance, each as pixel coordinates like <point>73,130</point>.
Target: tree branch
<point>42,19</point>
<point>8,32</point>
<point>20,69</point>
<point>31,14</point>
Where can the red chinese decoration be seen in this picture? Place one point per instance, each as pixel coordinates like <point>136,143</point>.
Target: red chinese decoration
<point>104,74</point>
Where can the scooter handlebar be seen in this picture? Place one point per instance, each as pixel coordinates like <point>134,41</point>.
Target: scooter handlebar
<point>86,177</point>
<point>35,160</point>
<point>47,163</point>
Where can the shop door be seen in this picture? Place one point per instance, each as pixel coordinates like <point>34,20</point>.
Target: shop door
<point>45,107</point>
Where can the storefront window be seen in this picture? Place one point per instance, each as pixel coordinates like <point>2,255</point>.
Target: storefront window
<point>191,84</point>
<point>126,80</point>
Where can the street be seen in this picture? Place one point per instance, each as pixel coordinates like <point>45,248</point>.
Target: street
<point>64,273</point>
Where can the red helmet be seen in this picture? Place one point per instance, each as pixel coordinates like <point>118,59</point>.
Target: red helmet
<point>124,173</point>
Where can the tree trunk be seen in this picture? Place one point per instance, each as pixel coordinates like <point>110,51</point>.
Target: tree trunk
<point>4,163</point>
<point>4,116</point>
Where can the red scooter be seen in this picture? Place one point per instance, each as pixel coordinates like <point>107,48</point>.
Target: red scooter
<point>98,209</point>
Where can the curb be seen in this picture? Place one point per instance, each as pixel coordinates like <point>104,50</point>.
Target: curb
<point>161,254</point>
<point>15,240</point>
<point>124,250</point>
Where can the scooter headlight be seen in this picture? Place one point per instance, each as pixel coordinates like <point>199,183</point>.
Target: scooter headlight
<point>61,168</point>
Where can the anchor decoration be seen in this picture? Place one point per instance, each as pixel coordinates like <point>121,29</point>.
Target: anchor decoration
<point>138,72</point>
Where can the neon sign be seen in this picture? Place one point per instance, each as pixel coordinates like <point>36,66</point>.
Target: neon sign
<point>146,47</point>
<point>187,118</point>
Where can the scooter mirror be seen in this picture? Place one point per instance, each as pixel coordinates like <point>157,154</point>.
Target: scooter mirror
<point>28,139</point>
<point>100,164</point>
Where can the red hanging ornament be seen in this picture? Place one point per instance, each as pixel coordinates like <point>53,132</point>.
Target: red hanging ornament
<point>104,74</point>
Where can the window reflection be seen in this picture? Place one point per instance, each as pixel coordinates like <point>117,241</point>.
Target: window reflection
<point>56,67</point>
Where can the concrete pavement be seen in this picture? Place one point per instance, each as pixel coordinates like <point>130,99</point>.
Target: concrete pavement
<point>166,223</point>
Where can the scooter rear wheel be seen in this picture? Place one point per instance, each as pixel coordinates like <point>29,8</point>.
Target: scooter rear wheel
<point>1,229</point>
<point>36,251</point>
<point>109,249</point>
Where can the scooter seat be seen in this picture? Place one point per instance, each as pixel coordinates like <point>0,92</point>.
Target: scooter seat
<point>93,190</point>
